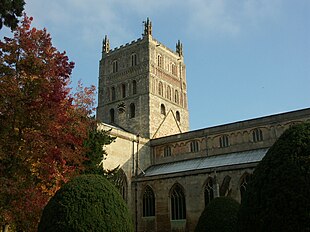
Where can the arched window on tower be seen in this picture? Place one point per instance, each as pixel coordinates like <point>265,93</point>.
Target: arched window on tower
<point>177,115</point>
<point>257,135</point>
<point>178,206</point>
<point>113,95</point>
<point>115,66</point>
<point>132,108</point>
<point>168,93</point>
<point>123,90</point>
<point>209,190</point>
<point>112,119</point>
<point>173,69</point>
<point>162,109</point>
<point>176,96</point>
<point>148,202</point>
<point>243,184</point>
<point>134,60</point>
<point>134,87</point>
<point>160,88</point>
<point>159,61</point>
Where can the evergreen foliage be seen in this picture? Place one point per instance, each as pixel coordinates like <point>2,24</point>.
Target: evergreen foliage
<point>220,215</point>
<point>10,10</point>
<point>277,198</point>
<point>86,203</point>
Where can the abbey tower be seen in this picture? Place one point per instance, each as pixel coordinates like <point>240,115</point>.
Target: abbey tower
<point>142,87</point>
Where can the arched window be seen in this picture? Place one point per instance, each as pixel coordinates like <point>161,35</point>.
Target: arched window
<point>113,95</point>
<point>160,88</point>
<point>177,115</point>
<point>134,59</point>
<point>115,66</point>
<point>132,110</point>
<point>134,87</point>
<point>159,61</point>
<point>243,184</point>
<point>120,181</point>
<point>162,109</point>
<point>176,96</point>
<point>123,90</point>
<point>224,142</point>
<point>168,93</point>
<point>257,135</point>
<point>167,151</point>
<point>148,202</point>
<point>194,146</point>
<point>112,119</point>
<point>173,69</point>
<point>178,206</point>
<point>209,191</point>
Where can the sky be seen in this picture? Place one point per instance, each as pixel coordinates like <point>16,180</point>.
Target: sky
<point>244,59</point>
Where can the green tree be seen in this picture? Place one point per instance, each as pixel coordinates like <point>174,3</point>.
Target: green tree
<point>277,197</point>
<point>10,10</point>
<point>220,215</point>
<point>86,203</point>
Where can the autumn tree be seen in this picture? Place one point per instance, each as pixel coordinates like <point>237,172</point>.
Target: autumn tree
<point>43,126</point>
<point>10,10</point>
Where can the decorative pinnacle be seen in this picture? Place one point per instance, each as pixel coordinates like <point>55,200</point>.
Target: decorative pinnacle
<point>105,45</point>
<point>147,27</point>
<point>179,48</point>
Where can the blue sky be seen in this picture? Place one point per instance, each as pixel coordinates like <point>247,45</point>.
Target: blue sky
<point>244,59</point>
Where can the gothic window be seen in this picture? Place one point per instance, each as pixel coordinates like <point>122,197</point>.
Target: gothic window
<point>209,191</point>
<point>120,181</point>
<point>257,135</point>
<point>178,206</point>
<point>224,142</point>
<point>168,93</point>
<point>134,87</point>
<point>113,95</point>
<point>123,90</point>
<point>177,115</point>
<point>159,61</point>
<point>115,66</point>
<point>167,151</point>
<point>243,184</point>
<point>148,202</point>
<point>132,110</point>
<point>112,119</point>
<point>162,109</point>
<point>176,96</point>
<point>160,88</point>
<point>194,146</point>
<point>134,59</point>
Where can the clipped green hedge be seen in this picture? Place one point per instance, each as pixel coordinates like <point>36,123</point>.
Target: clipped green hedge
<point>86,203</point>
<point>220,215</point>
<point>278,196</point>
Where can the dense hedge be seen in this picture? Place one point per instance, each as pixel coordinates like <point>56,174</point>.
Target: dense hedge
<point>86,203</point>
<point>220,215</point>
<point>277,198</point>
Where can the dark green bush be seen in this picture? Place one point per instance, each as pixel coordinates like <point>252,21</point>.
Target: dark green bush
<point>220,215</point>
<point>86,203</point>
<point>278,196</point>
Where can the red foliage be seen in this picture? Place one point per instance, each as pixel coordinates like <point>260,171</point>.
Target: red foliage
<point>42,126</point>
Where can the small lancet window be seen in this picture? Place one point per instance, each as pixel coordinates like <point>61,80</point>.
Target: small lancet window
<point>160,88</point>
<point>257,135</point>
<point>194,146</point>
<point>123,90</point>
<point>134,87</point>
<point>134,60</point>
<point>159,61</point>
<point>112,119</point>
<point>113,93</point>
<point>177,115</point>
<point>168,93</point>
<point>224,141</point>
<point>176,96</point>
<point>162,109</point>
<point>209,191</point>
<point>167,151</point>
<point>132,108</point>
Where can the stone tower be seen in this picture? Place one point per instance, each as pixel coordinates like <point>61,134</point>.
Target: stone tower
<point>142,87</point>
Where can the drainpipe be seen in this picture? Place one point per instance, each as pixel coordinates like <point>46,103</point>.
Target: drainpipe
<point>136,185</point>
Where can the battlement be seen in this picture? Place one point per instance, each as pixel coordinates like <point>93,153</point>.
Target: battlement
<point>127,45</point>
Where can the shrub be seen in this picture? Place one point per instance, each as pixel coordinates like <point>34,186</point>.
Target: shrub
<point>277,198</point>
<point>86,203</point>
<point>220,215</point>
